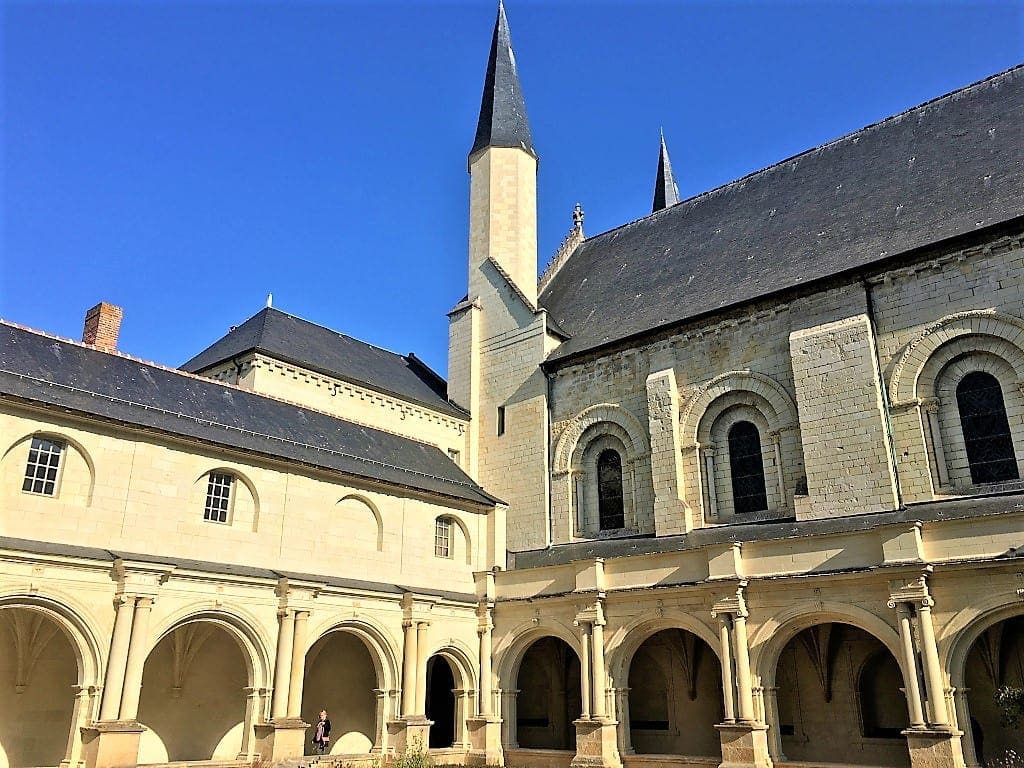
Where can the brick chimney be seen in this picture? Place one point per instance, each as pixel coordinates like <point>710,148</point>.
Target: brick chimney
<point>102,325</point>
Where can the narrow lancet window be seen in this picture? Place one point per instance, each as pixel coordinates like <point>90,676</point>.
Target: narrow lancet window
<point>986,429</point>
<point>747,468</point>
<point>611,514</point>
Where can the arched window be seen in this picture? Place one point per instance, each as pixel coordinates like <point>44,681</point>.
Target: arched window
<point>443,537</point>
<point>986,429</point>
<point>883,706</point>
<point>747,468</point>
<point>42,471</point>
<point>219,496</point>
<point>609,490</point>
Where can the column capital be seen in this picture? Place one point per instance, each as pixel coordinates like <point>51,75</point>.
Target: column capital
<point>930,404</point>
<point>912,590</point>
<point>734,604</point>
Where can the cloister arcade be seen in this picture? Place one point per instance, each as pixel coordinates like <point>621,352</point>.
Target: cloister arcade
<point>829,689</point>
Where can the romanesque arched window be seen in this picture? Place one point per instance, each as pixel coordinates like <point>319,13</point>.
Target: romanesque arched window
<point>611,513</point>
<point>986,429</point>
<point>747,468</point>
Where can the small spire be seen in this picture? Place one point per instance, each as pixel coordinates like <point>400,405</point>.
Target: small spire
<point>503,121</point>
<point>666,192</point>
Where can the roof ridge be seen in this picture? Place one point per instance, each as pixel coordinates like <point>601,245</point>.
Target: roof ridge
<point>869,127</point>
<point>335,332</point>
<point>208,380</point>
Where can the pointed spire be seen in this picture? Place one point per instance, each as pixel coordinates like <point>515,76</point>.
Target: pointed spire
<point>503,121</point>
<point>666,192</point>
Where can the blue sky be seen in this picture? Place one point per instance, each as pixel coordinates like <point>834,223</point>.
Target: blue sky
<point>185,159</point>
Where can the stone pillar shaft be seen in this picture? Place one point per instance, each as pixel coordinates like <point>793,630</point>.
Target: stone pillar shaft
<point>585,671</point>
<point>485,671</point>
<point>744,691</point>
<point>409,670</point>
<point>725,648</point>
<point>910,667</point>
<point>421,668</point>
<point>932,669</point>
<point>137,652</point>
<point>283,665</point>
<point>597,665</point>
<point>113,683</point>
<point>298,664</point>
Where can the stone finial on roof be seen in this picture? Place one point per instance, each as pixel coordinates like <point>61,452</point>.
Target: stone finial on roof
<point>666,192</point>
<point>565,250</point>
<point>503,121</point>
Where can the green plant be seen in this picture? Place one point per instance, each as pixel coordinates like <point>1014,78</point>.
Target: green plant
<point>1010,701</point>
<point>413,757</point>
<point>1009,759</point>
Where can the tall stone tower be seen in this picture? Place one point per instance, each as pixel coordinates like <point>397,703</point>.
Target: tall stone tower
<point>498,336</point>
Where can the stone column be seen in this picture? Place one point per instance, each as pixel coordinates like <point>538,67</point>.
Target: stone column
<point>725,647</point>
<point>597,666</point>
<point>80,718</point>
<point>780,477</point>
<point>252,710</point>
<point>622,712</point>
<point>409,670</point>
<point>932,669</point>
<point>709,473</point>
<point>910,667</point>
<point>380,729</point>
<point>298,664</point>
<point>770,696</point>
<point>113,682</point>
<point>421,668</point>
<point>585,671</point>
<point>509,719</point>
<point>485,669</point>
<point>283,665</point>
<point>744,691</point>
<point>137,652</point>
<point>931,412</point>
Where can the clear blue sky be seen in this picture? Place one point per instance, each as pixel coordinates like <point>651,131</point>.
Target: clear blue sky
<point>184,159</point>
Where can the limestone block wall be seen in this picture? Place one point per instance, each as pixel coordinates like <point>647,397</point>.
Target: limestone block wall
<point>938,319</point>
<point>136,492</point>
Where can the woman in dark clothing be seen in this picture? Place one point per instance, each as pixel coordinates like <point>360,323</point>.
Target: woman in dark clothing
<point>322,734</point>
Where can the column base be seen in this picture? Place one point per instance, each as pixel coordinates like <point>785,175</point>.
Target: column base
<point>111,744</point>
<point>283,739</point>
<point>597,744</point>
<point>744,745</point>
<point>935,747</point>
<point>410,734</point>
<point>485,740</point>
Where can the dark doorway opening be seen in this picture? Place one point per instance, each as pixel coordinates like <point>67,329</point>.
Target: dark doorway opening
<point>441,702</point>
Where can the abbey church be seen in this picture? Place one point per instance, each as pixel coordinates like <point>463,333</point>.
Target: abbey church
<point>737,484</point>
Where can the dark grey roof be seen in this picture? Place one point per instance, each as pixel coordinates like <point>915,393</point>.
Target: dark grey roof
<point>666,192</point>
<point>503,121</point>
<point>70,376</point>
<point>293,340</point>
<point>229,569</point>
<point>946,168</point>
<point>1009,503</point>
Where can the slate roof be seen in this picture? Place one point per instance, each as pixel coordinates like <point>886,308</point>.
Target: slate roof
<point>293,340</point>
<point>74,377</point>
<point>503,121</point>
<point>953,509</point>
<point>948,167</point>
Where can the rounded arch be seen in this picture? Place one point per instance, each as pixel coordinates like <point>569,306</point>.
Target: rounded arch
<point>782,407</point>
<point>625,641</point>
<point>509,653</point>
<point>377,641</point>
<point>50,434</point>
<point>241,628</point>
<point>632,433</point>
<point>906,374</point>
<point>771,638</point>
<point>964,629</point>
<point>72,623</point>
<point>461,659</point>
<point>374,511</point>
